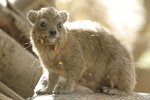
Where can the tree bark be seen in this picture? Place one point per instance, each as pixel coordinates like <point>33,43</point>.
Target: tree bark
<point>143,41</point>
<point>3,97</point>
<point>18,67</point>
<point>140,45</point>
<point>14,24</point>
<point>10,93</point>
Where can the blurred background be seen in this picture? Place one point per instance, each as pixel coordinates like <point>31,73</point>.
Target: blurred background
<point>128,20</point>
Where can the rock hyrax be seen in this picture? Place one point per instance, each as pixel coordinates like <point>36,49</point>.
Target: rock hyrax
<point>88,55</point>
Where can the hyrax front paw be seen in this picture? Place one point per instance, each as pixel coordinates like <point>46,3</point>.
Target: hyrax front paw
<point>43,91</point>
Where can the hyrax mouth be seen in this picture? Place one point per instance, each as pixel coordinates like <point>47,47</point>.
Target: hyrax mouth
<point>49,40</point>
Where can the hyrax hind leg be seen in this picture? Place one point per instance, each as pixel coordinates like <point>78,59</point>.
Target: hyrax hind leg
<point>122,78</point>
<point>110,90</point>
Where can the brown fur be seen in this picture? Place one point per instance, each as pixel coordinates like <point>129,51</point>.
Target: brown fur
<point>90,57</point>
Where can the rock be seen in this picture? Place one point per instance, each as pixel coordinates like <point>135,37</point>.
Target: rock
<point>92,96</point>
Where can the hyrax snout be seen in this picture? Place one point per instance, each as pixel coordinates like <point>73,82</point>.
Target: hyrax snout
<point>82,52</point>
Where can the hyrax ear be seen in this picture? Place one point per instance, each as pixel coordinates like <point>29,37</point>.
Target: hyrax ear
<point>31,16</point>
<point>64,15</point>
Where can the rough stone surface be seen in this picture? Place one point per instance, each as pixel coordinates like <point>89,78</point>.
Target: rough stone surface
<point>93,96</point>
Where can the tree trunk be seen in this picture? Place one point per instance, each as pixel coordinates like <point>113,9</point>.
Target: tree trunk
<point>14,24</point>
<point>18,68</point>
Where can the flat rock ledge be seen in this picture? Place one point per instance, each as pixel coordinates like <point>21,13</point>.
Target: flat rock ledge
<point>92,96</point>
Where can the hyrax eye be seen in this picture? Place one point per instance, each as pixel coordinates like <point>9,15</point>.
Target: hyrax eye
<point>59,25</point>
<point>42,24</point>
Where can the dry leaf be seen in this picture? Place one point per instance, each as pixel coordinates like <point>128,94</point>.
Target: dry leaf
<point>42,41</point>
<point>54,47</point>
<point>60,63</point>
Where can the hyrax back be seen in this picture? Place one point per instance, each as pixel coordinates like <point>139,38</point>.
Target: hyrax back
<point>90,57</point>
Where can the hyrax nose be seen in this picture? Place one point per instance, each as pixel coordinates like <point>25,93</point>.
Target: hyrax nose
<point>53,32</point>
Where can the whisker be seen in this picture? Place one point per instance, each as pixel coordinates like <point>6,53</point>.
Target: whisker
<point>28,47</point>
<point>27,43</point>
<point>34,62</point>
<point>39,66</point>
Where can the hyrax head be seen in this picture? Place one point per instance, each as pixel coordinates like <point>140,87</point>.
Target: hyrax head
<point>47,24</point>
